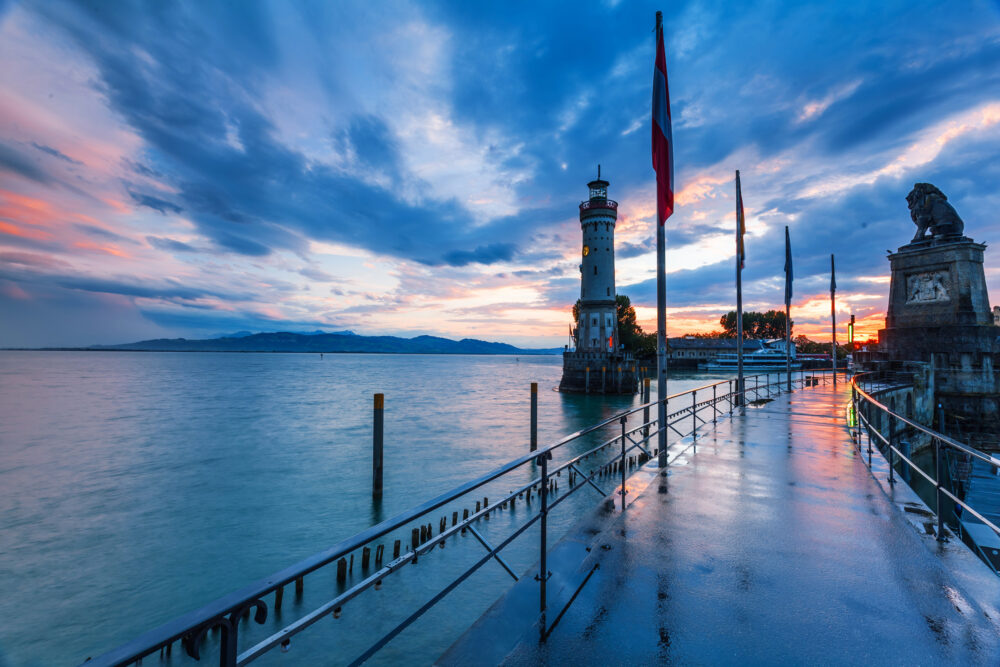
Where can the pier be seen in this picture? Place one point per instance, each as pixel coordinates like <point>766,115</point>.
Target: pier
<point>775,544</point>
<point>776,533</point>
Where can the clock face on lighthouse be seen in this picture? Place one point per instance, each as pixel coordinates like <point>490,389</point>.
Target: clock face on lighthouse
<point>586,250</point>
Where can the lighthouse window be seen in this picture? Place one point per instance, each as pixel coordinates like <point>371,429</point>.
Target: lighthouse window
<point>595,270</point>
<point>609,291</point>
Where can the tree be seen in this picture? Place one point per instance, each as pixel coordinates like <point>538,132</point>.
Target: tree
<point>630,334</point>
<point>629,331</point>
<point>755,325</point>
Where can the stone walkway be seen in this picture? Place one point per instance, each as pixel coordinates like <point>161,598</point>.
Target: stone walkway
<point>774,545</point>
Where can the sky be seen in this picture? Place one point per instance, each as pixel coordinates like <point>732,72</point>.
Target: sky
<point>191,169</point>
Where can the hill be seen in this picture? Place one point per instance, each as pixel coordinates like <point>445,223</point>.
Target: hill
<point>323,342</point>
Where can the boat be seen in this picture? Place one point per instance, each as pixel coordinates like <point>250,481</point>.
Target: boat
<point>766,359</point>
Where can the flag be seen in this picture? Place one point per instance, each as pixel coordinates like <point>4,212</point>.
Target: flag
<point>663,140</point>
<point>833,276</point>
<point>741,225</point>
<point>788,267</point>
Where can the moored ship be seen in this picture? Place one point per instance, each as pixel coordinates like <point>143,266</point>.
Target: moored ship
<point>765,359</point>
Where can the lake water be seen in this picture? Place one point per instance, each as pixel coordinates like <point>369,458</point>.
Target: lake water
<point>135,487</point>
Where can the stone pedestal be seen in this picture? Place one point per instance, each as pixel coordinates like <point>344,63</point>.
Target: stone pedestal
<point>939,313</point>
<point>598,373</point>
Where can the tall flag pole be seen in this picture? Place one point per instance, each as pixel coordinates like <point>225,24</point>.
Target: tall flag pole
<point>741,229</point>
<point>788,309</point>
<point>833,316</point>
<point>663,164</point>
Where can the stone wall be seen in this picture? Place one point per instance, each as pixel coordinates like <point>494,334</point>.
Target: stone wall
<point>619,376</point>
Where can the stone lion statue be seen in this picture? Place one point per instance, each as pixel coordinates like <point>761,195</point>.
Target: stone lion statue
<point>929,209</point>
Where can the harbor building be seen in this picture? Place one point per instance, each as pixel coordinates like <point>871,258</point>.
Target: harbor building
<point>597,361</point>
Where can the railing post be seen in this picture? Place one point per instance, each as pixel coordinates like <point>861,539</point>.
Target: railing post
<point>694,414</point>
<point>621,464</point>
<point>378,422</point>
<point>869,451</point>
<point>731,397</point>
<point>756,387</point>
<point>892,443</point>
<point>938,494</point>
<point>645,410</point>
<point>534,416</point>
<point>715,408</point>
<point>543,571</point>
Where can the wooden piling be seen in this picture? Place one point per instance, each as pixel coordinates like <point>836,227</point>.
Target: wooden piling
<point>299,585</point>
<point>342,570</point>
<point>366,555</point>
<point>377,424</point>
<point>279,594</point>
<point>395,549</point>
<point>415,537</point>
<point>454,518</point>
<point>534,416</point>
<point>443,525</point>
<point>379,552</point>
<point>350,564</point>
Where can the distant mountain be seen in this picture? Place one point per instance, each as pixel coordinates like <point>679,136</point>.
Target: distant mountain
<point>344,341</point>
<point>317,332</point>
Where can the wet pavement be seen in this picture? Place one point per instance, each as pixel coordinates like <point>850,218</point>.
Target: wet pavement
<point>773,545</point>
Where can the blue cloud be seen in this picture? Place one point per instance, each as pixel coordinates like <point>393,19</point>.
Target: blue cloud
<point>55,153</point>
<point>154,203</point>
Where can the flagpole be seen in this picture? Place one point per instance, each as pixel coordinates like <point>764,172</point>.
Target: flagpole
<point>661,314</point>
<point>788,310</point>
<point>739,297</point>
<point>833,316</point>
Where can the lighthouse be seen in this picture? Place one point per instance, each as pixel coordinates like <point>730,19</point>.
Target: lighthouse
<point>597,363</point>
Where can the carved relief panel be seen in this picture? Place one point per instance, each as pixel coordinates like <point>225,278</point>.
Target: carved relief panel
<point>927,287</point>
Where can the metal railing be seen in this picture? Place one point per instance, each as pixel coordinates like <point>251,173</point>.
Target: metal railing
<point>633,450</point>
<point>865,406</point>
<point>599,203</point>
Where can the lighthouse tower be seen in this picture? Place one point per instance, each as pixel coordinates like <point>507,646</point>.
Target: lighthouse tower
<point>598,364</point>
<point>597,330</point>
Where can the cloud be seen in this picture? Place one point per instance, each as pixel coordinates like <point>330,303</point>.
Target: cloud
<point>170,245</point>
<point>106,234</point>
<point>155,203</point>
<point>55,153</point>
<point>441,159</point>
<point>488,254</point>
<point>16,162</point>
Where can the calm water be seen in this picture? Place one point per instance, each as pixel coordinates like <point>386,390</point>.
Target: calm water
<point>135,487</point>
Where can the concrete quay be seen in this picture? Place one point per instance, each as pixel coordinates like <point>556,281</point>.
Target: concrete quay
<point>775,544</point>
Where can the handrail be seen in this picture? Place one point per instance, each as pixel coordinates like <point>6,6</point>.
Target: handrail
<point>939,441</point>
<point>226,611</point>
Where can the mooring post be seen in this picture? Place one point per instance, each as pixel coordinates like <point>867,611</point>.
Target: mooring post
<point>377,424</point>
<point>604,375</point>
<point>587,382</point>
<point>534,416</point>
